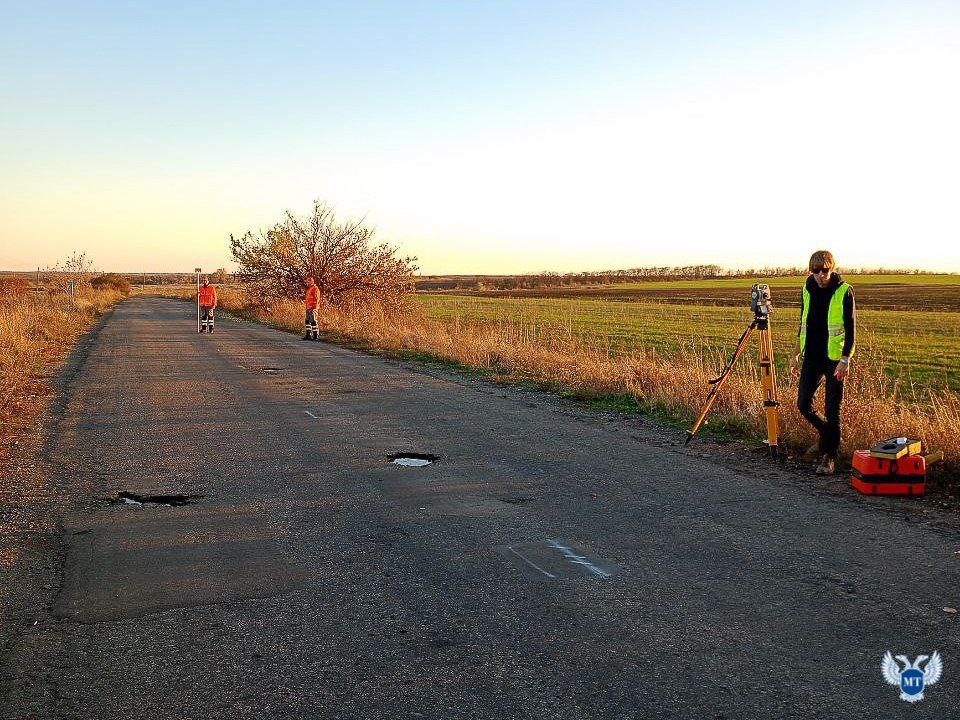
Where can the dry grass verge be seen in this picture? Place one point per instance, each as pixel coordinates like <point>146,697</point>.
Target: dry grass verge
<point>37,330</point>
<point>672,387</point>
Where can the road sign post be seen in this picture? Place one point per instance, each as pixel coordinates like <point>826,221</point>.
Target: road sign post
<point>198,271</point>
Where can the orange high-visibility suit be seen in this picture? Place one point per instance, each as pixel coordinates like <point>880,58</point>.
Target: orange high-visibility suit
<point>207,295</point>
<point>312,300</point>
<point>312,297</point>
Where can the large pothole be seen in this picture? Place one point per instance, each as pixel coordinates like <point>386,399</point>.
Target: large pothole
<point>125,497</point>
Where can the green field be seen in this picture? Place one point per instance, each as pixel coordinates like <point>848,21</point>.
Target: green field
<point>919,347</point>
<point>873,292</point>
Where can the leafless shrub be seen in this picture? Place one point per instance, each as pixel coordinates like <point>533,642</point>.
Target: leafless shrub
<point>340,256</point>
<point>78,268</point>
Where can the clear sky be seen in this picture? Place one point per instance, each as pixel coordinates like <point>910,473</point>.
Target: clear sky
<point>485,137</point>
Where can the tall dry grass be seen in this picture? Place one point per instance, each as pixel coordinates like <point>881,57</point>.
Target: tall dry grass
<point>673,385</point>
<point>36,331</point>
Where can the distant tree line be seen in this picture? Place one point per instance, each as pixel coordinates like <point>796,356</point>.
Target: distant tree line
<point>217,277</point>
<point>544,280</point>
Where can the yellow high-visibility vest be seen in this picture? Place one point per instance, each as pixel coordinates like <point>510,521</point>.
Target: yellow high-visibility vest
<point>835,330</point>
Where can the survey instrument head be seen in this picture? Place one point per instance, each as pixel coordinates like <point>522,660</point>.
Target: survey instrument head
<point>760,301</point>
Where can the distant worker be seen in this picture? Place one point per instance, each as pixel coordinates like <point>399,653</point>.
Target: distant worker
<point>311,300</point>
<point>207,296</point>
<point>827,338</point>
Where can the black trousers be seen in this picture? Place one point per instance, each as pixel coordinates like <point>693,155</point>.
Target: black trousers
<point>811,373</point>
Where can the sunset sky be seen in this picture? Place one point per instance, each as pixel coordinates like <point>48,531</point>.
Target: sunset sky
<point>485,137</point>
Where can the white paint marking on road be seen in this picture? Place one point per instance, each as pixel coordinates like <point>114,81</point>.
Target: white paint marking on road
<point>579,559</point>
<point>530,563</point>
<point>311,415</point>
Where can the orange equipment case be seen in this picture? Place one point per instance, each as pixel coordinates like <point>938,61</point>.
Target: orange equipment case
<point>906,475</point>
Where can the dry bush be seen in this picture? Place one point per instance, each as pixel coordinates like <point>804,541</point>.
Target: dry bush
<point>23,331</point>
<point>13,288</point>
<point>111,281</point>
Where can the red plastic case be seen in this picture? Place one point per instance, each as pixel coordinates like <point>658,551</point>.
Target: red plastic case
<point>879,476</point>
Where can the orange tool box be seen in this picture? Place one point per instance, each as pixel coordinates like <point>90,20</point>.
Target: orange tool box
<point>905,475</point>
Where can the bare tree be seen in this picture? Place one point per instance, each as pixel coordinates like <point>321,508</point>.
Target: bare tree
<point>340,256</point>
<point>78,268</point>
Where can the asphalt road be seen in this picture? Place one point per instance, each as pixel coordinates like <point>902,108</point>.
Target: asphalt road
<point>552,563</point>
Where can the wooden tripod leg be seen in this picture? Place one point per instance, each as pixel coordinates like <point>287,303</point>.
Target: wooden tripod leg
<point>719,383</point>
<point>768,377</point>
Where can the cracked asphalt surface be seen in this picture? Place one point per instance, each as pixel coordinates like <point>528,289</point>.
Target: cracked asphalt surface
<point>553,563</point>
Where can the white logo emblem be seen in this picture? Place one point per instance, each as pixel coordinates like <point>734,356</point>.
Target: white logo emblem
<point>911,679</point>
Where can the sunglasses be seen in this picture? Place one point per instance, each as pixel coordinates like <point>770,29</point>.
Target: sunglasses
<point>821,270</point>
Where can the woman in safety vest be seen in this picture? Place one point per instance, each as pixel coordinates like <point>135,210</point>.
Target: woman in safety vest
<point>827,341</point>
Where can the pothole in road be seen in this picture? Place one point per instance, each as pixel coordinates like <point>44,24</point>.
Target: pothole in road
<point>412,459</point>
<point>128,498</point>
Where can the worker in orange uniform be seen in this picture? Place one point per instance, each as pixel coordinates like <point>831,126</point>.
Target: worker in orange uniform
<point>207,297</point>
<point>311,300</point>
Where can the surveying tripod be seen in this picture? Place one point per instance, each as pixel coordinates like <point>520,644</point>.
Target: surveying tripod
<point>761,305</point>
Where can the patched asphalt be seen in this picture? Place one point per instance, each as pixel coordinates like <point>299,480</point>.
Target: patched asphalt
<point>551,562</point>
